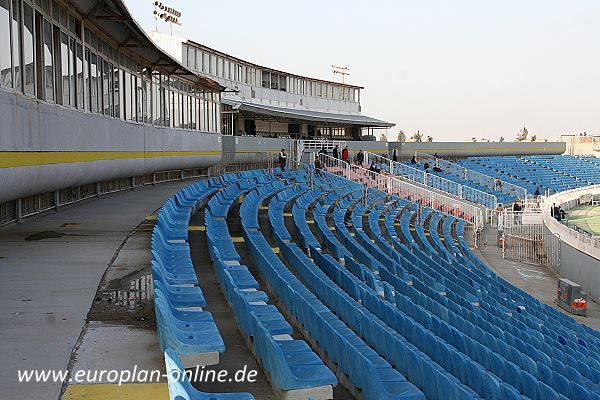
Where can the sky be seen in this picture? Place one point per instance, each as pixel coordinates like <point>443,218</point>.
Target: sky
<point>450,69</point>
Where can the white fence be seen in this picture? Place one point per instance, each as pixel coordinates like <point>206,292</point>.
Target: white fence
<point>316,145</point>
<point>434,181</point>
<point>393,185</point>
<point>526,239</point>
<point>567,200</point>
<point>489,182</point>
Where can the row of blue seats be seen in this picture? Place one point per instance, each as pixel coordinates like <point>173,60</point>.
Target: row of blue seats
<point>290,363</point>
<point>184,328</point>
<point>357,232</point>
<point>299,261</point>
<point>323,326</point>
<point>442,386</point>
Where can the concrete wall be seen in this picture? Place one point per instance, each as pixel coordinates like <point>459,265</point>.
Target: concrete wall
<point>460,149</point>
<point>579,254</point>
<point>469,149</point>
<point>581,268</point>
<point>45,147</point>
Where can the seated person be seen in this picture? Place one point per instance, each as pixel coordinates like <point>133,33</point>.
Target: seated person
<point>374,167</point>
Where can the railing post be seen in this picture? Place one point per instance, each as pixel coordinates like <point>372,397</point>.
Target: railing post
<point>19,210</point>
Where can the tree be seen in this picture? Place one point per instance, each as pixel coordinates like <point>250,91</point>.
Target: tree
<point>418,137</point>
<point>383,137</point>
<point>522,135</point>
<point>533,137</point>
<point>429,138</point>
<point>401,136</point>
<point>501,138</point>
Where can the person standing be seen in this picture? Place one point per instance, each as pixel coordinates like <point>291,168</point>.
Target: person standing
<point>282,159</point>
<point>517,210</point>
<point>500,237</point>
<point>345,154</point>
<point>323,151</point>
<point>318,167</point>
<point>336,153</point>
<point>395,154</point>
<point>360,157</point>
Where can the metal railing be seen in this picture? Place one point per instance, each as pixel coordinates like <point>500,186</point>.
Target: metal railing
<point>393,185</point>
<point>526,239</point>
<point>17,210</point>
<point>316,145</point>
<point>434,181</point>
<point>486,181</point>
<point>235,162</point>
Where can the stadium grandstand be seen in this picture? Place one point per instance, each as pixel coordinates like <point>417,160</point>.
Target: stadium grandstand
<point>178,223</point>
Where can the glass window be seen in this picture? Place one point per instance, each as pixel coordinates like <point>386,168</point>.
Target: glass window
<point>65,70</point>
<point>193,112</point>
<point>192,58</point>
<point>16,45</point>
<point>127,95</point>
<point>155,99</point>
<point>205,62</point>
<point>202,115</point>
<point>266,80</point>
<point>205,115</point>
<point>140,99</point>
<point>116,93</point>
<point>93,82</point>
<point>28,49</point>
<point>185,109</point>
<point>166,96</point>
<point>213,64</point>
<point>147,93</point>
<point>79,74</point>
<point>184,56</point>
<point>86,75</point>
<point>198,60</point>
<point>174,109</point>
<point>107,88</point>
<point>283,83</point>
<point>5,53</point>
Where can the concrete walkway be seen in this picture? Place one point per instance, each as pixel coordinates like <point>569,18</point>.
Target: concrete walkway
<point>539,281</point>
<point>50,269</point>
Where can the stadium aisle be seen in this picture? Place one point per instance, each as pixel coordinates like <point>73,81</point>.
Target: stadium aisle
<point>50,268</point>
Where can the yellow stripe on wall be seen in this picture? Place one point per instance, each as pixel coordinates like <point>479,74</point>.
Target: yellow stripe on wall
<point>9,159</point>
<point>132,391</point>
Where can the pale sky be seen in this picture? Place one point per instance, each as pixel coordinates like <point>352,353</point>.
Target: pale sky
<point>452,69</point>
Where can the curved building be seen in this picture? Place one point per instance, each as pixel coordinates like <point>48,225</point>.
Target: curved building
<point>263,101</point>
<point>86,98</point>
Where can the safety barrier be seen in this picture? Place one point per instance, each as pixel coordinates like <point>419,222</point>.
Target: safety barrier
<point>434,181</point>
<point>393,185</point>
<point>489,182</point>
